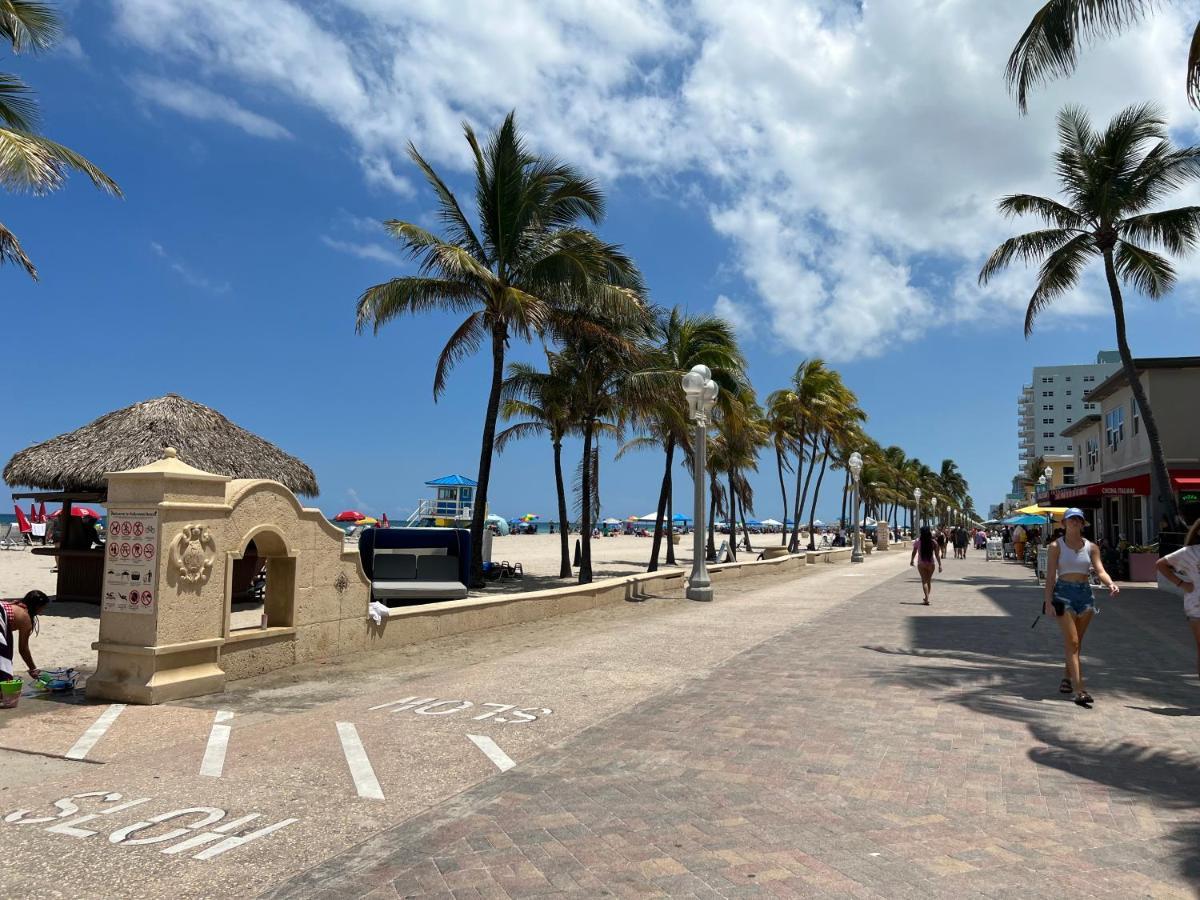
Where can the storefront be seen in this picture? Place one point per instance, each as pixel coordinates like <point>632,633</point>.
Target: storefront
<point>1117,509</point>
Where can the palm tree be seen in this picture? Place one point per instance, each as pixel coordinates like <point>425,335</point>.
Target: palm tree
<point>1049,48</point>
<point>681,341</point>
<point>741,433</point>
<point>807,393</point>
<point>1110,181</point>
<point>30,162</point>
<point>524,268</point>
<point>782,430</point>
<point>543,401</point>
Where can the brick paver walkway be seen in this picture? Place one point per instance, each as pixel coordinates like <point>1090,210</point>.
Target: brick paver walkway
<point>885,749</point>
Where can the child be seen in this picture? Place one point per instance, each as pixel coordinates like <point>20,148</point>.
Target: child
<point>1182,568</point>
<point>18,619</point>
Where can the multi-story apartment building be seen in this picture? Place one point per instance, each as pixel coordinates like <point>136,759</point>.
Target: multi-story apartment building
<point>1112,458</point>
<point>1054,400</point>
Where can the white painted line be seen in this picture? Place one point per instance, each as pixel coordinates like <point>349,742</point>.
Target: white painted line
<point>492,751</point>
<point>95,731</point>
<point>218,742</point>
<point>365,782</point>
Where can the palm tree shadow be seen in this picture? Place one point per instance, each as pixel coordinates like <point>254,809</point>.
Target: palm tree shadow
<point>997,666</point>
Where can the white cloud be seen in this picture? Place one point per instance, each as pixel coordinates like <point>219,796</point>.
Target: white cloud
<point>736,315</point>
<point>846,149</point>
<point>69,46</point>
<point>201,103</point>
<point>189,275</point>
<point>372,251</point>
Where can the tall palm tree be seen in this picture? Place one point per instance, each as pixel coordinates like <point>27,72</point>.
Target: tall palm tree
<point>811,384</point>
<point>1110,181</point>
<point>782,431</point>
<point>1049,47</point>
<point>543,401</point>
<point>680,341</point>
<point>528,262</point>
<point>30,162</point>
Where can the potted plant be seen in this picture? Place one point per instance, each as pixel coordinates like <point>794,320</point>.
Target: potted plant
<point>1142,559</point>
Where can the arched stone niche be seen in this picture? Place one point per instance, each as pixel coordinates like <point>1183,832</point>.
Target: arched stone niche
<point>182,644</point>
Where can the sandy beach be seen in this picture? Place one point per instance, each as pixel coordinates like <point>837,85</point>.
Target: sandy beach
<point>67,630</point>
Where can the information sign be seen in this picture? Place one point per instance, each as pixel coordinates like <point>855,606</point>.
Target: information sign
<point>130,561</point>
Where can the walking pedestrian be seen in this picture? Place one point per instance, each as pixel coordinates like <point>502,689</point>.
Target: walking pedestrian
<point>941,541</point>
<point>926,554</point>
<point>1182,568</point>
<point>1069,596</point>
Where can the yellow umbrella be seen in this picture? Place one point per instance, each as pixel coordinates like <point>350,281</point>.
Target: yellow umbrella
<point>367,520</point>
<point>1035,510</point>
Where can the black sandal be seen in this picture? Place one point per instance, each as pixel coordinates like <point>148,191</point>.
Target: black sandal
<point>1084,699</point>
<point>1064,686</point>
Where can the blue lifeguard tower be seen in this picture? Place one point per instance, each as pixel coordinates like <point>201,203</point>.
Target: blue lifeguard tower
<point>450,508</point>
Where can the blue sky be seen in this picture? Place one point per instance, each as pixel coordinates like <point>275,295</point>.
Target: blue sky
<point>812,170</point>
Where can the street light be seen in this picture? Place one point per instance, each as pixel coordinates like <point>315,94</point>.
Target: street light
<point>856,463</point>
<point>917,497</point>
<point>701,392</point>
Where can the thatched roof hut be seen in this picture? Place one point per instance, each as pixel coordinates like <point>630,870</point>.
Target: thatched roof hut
<point>138,434</point>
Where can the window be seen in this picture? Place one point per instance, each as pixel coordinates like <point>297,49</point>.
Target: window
<point>1047,407</point>
<point>1135,415</point>
<point>1114,427</point>
<point>1068,393</point>
<point>1047,434</point>
<point>1093,453</point>
<point>1047,393</point>
<point>1068,378</point>
<point>1068,474</point>
<point>1089,377</point>
<point>1069,420</point>
<point>1047,379</point>
<point>1048,448</point>
<point>1048,422</point>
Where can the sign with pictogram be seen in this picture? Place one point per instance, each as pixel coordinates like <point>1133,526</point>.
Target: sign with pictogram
<point>131,563</point>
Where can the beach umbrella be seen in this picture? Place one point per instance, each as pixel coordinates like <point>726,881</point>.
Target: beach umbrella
<point>42,511</point>
<point>612,521</point>
<point>32,512</point>
<point>649,517</point>
<point>79,511</point>
<point>1025,520</point>
<point>348,515</point>
<point>680,517</point>
<point>21,520</point>
<point>755,522</point>
<point>367,520</point>
<point>771,523</point>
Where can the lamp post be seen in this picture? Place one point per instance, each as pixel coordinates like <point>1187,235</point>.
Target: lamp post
<point>917,497</point>
<point>701,392</point>
<point>856,463</point>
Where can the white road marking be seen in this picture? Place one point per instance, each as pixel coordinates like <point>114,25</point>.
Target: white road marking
<point>218,742</point>
<point>365,782</point>
<point>492,751</point>
<point>95,731</point>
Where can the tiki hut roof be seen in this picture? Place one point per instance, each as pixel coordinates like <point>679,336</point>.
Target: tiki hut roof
<point>138,434</point>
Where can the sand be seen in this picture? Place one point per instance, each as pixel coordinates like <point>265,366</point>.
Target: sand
<point>67,630</point>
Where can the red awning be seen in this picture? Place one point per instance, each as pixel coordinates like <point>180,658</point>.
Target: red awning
<point>1138,486</point>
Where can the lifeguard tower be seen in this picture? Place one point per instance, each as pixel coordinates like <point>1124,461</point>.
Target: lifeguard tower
<point>451,507</point>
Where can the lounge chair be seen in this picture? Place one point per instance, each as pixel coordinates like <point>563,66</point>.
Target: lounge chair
<point>5,536</point>
<point>408,576</point>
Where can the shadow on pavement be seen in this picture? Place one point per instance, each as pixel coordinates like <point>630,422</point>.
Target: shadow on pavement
<point>1137,649</point>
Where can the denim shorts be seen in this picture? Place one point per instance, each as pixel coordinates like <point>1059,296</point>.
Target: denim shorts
<point>1075,596</point>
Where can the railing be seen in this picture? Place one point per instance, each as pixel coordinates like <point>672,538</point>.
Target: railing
<point>437,509</point>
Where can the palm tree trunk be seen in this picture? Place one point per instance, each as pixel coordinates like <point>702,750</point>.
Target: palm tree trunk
<point>783,532</point>
<point>663,494</point>
<point>564,528</point>
<point>812,510</point>
<point>845,493</point>
<point>585,527</point>
<point>794,545</point>
<point>812,463</point>
<point>1163,501</point>
<point>732,517</point>
<point>670,518</point>
<point>712,516</point>
<point>745,529</point>
<point>487,444</point>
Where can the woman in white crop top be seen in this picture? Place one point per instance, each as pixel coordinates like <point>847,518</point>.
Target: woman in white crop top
<point>1182,568</point>
<point>1069,561</point>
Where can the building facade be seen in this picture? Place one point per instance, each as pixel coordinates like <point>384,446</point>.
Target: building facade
<point>1053,401</point>
<point>1112,454</point>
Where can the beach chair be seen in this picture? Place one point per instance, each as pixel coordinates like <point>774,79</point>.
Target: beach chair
<point>5,535</point>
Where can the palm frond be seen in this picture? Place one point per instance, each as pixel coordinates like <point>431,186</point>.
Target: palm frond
<point>466,340</point>
<point>1176,230</point>
<point>29,24</point>
<point>1059,274</point>
<point>1146,270</point>
<point>1049,46</point>
<point>1031,247</point>
<point>11,252</point>
<point>641,442</point>
<point>458,227</point>
<point>517,432</point>
<point>381,303</point>
<point>1049,211</point>
<point>1193,68</point>
<point>17,107</point>
<point>30,162</point>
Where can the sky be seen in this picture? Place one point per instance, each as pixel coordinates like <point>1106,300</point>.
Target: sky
<point>821,172</point>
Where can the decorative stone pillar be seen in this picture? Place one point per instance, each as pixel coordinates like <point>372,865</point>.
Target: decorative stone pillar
<point>162,610</point>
